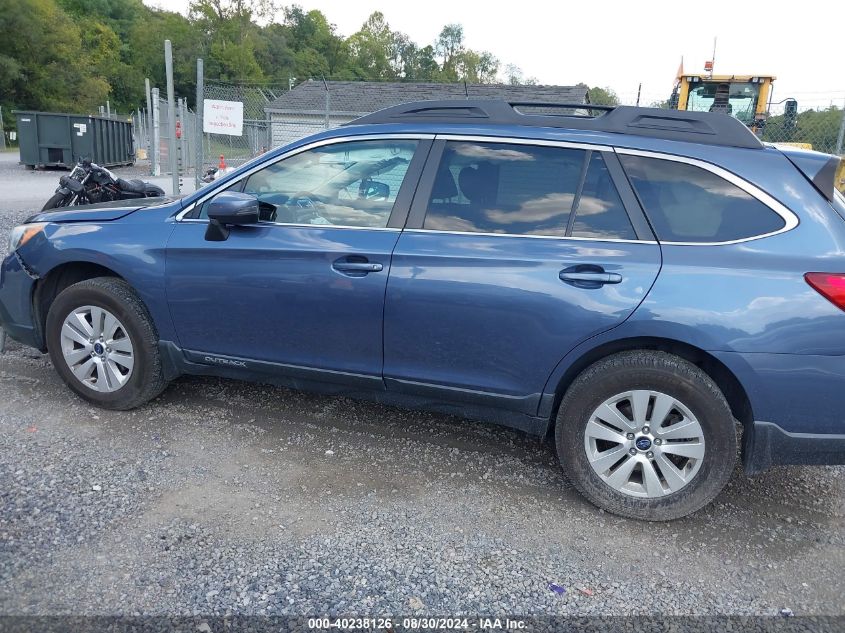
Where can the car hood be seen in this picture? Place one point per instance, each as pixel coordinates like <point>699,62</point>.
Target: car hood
<point>101,212</point>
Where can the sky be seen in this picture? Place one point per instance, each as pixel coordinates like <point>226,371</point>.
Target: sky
<point>622,43</point>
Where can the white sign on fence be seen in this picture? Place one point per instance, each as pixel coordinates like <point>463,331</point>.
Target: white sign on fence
<point>223,117</point>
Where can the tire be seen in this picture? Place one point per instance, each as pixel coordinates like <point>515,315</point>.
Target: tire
<point>143,381</point>
<point>57,201</point>
<point>580,436</point>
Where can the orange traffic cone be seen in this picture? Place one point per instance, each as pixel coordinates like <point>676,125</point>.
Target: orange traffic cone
<point>222,164</point>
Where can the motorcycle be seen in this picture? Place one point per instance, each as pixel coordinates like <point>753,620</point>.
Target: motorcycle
<point>210,175</point>
<point>88,183</point>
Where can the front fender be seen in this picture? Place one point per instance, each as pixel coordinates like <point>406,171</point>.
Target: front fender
<point>133,251</point>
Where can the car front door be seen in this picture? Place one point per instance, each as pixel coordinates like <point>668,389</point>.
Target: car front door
<point>513,254</point>
<point>301,291</point>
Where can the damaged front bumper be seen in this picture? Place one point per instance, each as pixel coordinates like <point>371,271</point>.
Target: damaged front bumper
<point>16,311</point>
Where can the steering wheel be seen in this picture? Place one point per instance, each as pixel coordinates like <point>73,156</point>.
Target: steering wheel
<point>307,206</point>
<point>305,200</point>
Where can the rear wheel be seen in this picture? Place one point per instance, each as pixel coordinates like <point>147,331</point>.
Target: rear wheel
<point>56,201</point>
<point>103,344</point>
<point>646,435</point>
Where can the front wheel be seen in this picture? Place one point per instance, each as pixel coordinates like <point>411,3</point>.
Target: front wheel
<point>57,200</point>
<point>104,345</point>
<point>646,435</point>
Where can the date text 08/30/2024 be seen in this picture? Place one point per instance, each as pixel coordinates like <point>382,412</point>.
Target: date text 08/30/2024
<point>414,623</point>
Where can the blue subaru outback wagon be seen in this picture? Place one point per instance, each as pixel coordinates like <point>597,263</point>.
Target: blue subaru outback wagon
<point>634,284</point>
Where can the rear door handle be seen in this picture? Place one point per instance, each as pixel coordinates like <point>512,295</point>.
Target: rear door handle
<point>356,268</point>
<point>600,278</point>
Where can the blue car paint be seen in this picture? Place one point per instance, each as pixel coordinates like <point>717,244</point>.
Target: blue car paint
<point>133,247</point>
<point>458,308</point>
<point>745,304</point>
<point>284,301</point>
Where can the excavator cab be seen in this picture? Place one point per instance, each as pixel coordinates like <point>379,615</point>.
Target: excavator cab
<point>744,97</point>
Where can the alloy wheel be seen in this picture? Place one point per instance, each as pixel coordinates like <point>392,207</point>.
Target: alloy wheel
<point>644,443</point>
<point>97,348</point>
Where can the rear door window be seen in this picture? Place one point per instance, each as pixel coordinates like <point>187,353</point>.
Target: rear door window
<point>686,203</point>
<point>525,190</point>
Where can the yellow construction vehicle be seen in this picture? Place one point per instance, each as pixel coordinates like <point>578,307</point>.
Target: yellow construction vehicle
<point>745,97</point>
<point>742,96</point>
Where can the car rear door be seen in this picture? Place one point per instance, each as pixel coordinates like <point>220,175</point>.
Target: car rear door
<point>514,252</point>
<point>301,292</point>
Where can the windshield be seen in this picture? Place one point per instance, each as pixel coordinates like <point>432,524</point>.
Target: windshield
<point>737,99</point>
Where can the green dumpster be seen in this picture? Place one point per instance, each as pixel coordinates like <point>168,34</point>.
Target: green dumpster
<point>52,139</point>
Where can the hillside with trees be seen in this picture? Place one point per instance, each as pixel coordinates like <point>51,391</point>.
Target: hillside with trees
<point>72,55</point>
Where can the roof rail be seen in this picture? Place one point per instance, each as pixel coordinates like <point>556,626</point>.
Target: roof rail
<point>697,127</point>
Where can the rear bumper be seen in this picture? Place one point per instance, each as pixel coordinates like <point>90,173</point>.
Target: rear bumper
<point>16,285</point>
<point>766,444</point>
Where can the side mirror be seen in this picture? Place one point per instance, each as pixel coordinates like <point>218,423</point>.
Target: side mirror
<point>230,208</point>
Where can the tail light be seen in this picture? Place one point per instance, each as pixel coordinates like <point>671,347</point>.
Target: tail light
<point>829,285</point>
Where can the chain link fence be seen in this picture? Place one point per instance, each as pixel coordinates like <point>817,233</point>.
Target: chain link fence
<point>153,137</point>
<point>256,137</point>
<point>275,115</point>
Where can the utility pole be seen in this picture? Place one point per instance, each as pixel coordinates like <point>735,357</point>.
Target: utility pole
<point>171,115</point>
<point>841,136</point>
<point>2,131</point>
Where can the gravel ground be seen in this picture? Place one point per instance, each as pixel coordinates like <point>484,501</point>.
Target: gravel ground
<point>223,497</point>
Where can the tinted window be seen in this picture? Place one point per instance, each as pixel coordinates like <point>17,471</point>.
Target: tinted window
<point>525,190</point>
<point>686,203</point>
<point>504,188</point>
<point>347,184</point>
<point>600,213</point>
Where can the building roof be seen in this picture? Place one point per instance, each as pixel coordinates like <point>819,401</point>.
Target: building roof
<point>362,97</point>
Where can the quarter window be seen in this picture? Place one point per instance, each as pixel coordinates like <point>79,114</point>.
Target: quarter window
<point>686,203</point>
<point>346,184</point>
<point>600,213</point>
<point>524,190</point>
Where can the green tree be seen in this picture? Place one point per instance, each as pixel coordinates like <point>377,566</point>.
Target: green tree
<point>231,37</point>
<point>449,46</point>
<point>602,96</point>
<point>477,68</point>
<point>318,49</point>
<point>371,49</point>
<point>147,44</point>
<point>274,54</point>
<point>42,63</point>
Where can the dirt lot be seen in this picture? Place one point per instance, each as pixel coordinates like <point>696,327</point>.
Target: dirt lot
<point>223,497</point>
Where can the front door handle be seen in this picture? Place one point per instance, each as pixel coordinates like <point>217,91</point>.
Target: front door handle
<point>601,278</point>
<point>356,266</point>
<point>361,267</point>
<point>588,276</point>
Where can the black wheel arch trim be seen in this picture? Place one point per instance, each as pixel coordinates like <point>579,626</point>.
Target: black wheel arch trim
<point>765,444</point>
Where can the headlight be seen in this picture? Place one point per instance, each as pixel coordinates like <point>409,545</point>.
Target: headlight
<point>22,234</point>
